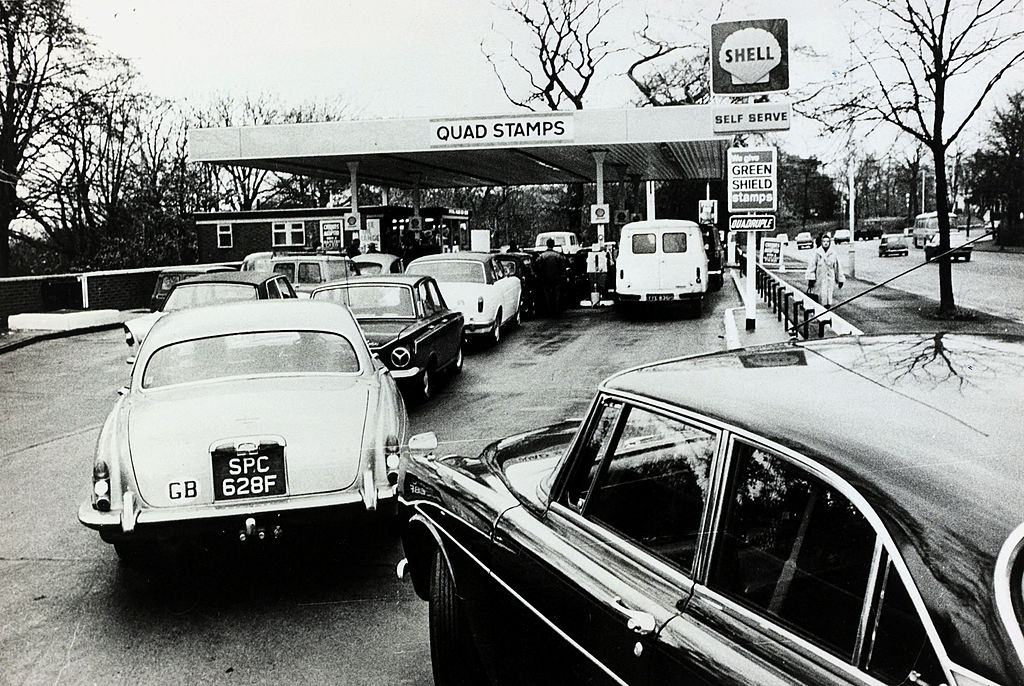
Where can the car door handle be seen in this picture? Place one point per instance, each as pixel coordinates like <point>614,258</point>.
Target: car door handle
<point>642,623</point>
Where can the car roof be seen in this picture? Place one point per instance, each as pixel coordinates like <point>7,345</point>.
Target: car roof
<point>251,277</point>
<point>926,427</point>
<point>376,257</point>
<point>242,317</point>
<point>377,279</point>
<point>465,256</point>
<point>198,269</point>
<point>660,225</point>
<point>310,257</point>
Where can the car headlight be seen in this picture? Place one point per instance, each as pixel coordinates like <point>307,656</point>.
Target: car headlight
<point>401,357</point>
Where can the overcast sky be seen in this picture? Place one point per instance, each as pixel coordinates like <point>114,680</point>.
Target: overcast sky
<point>395,58</point>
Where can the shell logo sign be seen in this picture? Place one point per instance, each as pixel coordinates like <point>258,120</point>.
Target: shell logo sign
<point>749,56</point>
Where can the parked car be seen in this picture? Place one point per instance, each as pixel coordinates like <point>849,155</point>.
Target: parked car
<point>213,288</point>
<point>869,230</point>
<point>961,250</point>
<point>841,236</point>
<point>721,519</point>
<point>306,271</point>
<point>242,420</point>
<point>565,241</point>
<point>926,225</point>
<point>257,261</point>
<point>892,244</point>
<point>804,239</point>
<point>373,263</point>
<point>166,279</point>
<point>407,324</point>
<point>662,261</point>
<point>475,284</point>
<point>520,265</point>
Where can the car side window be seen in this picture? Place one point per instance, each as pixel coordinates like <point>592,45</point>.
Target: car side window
<point>309,272</point>
<point>430,307</point>
<point>286,289</point>
<point>273,292</point>
<point>435,296</point>
<point>654,484</point>
<point>899,643</point>
<point>794,549</point>
<point>591,450</point>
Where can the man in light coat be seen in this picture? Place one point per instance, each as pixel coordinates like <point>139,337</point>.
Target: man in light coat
<point>824,272</point>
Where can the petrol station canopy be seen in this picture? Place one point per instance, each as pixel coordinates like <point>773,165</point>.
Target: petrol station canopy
<point>650,144</point>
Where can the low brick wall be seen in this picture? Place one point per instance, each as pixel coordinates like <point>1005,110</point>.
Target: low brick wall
<point>125,289</point>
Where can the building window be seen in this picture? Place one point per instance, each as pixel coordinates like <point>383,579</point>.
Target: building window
<point>287,234</point>
<point>225,239</point>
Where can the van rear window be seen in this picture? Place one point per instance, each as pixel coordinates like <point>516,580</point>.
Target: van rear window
<point>673,242</point>
<point>644,244</point>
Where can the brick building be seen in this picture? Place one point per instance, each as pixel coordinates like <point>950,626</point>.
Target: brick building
<point>230,236</point>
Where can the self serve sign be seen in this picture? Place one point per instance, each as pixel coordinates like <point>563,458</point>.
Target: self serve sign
<point>752,179</point>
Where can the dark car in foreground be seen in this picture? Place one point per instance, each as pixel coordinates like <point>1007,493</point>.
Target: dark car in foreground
<point>959,248</point>
<point>843,511</point>
<point>407,324</point>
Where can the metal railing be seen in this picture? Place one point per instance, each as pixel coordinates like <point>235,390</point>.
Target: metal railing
<point>791,306</point>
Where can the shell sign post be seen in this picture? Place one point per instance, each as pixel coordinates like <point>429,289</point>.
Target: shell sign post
<point>749,57</point>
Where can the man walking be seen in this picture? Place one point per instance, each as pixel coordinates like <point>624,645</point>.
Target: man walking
<point>551,272</point>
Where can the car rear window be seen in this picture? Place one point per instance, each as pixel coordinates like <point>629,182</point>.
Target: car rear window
<point>250,354</point>
<point>187,296</point>
<point>368,268</point>
<point>673,242</point>
<point>644,244</point>
<point>450,271</point>
<point>372,301</point>
<point>167,281</point>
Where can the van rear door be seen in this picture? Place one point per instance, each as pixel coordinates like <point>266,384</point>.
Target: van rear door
<point>645,268</point>
<point>677,266</point>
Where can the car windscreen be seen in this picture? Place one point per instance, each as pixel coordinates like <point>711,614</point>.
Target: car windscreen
<point>187,296</point>
<point>372,301</point>
<point>250,354</point>
<point>542,240</point>
<point>450,271</point>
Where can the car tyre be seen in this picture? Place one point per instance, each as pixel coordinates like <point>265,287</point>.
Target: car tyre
<point>452,653</point>
<point>496,334</point>
<point>425,391</point>
<point>459,361</point>
<point>133,554</point>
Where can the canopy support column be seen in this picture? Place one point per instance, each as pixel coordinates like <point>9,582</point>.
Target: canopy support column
<point>599,177</point>
<point>353,186</point>
<point>650,201</point>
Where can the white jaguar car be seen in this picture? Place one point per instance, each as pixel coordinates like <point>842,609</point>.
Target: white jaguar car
<point>243,420</point>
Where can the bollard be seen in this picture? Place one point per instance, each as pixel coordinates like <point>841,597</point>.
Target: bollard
<point>775,297</point>
<point>783,315</point>
<point>798,306</point>
<point>821,326</point>
<point>807,323</point>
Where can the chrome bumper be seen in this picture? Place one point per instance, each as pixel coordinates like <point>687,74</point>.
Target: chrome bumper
<point>406,373</point>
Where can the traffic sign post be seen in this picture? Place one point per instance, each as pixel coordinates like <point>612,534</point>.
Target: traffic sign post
<point>751,224</point>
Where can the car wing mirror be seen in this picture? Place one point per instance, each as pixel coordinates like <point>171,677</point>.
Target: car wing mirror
<point>123,390</point>
<point>423,445</point>
<point>130,359</point>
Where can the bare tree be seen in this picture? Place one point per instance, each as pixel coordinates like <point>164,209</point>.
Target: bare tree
<point>564,52</point>
<point>45,64</point>
<point>910,53</point>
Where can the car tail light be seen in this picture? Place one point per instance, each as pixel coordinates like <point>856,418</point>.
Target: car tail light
<point>101,486</point>
<point>128,337</point>
<point>480,304</point>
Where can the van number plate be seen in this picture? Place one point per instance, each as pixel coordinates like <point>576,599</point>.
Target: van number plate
<point>659,297</point>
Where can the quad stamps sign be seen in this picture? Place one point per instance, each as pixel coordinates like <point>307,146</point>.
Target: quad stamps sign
<point>502,130</point>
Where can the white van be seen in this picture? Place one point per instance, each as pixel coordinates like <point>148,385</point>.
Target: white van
<point>565,241</point>
<point>662,261</point>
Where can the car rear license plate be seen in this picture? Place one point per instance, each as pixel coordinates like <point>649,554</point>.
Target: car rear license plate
<point>251,474</point>
<point>659,297</point>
